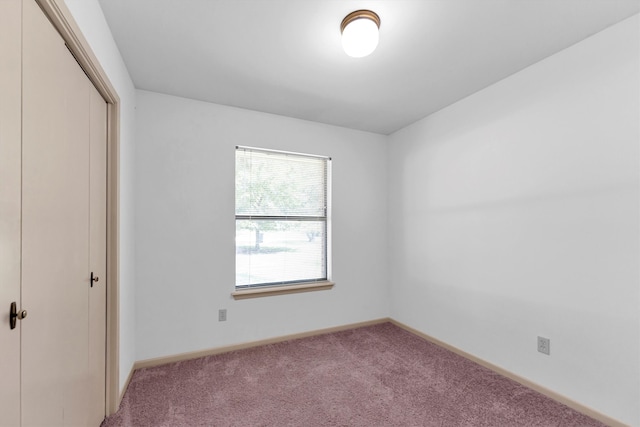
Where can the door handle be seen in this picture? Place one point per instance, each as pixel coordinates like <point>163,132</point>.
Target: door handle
<point>94,279</point>
<point>14,315</point>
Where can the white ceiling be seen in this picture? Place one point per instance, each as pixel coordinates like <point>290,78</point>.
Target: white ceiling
<point>285,57</point>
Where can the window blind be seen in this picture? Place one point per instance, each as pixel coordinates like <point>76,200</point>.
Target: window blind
<point>281,217</point>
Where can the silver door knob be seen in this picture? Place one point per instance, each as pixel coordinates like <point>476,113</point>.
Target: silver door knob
<point>22,314</point>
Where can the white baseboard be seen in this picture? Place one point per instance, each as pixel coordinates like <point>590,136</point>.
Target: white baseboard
<point>148,363</point>
<point>124,388</point>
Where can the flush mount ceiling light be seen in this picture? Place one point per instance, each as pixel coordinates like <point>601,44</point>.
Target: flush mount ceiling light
<point>360,33</point>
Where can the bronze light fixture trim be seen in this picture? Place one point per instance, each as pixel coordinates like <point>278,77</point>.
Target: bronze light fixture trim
<point>359,14</point>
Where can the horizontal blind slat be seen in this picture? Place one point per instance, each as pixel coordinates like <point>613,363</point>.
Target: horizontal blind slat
<point>280,218</point>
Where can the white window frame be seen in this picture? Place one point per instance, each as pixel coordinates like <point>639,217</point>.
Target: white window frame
<point>287,287</point>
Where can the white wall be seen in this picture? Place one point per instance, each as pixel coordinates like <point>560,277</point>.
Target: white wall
<point>515,213</point>
<point>91,21</point>
<point>185,227</point>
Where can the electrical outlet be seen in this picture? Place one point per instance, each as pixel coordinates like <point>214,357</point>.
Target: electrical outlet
<point>222,315</point>
<point>544,345</point>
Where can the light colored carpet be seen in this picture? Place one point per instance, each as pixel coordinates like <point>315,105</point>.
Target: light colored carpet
<point>378,375</point>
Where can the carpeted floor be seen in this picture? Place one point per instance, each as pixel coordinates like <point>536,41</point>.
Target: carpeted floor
<point>378,375</point>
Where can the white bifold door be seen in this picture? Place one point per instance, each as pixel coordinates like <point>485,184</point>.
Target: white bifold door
<point>52,228</point>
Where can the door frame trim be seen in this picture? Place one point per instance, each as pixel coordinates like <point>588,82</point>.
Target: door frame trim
<point>62,19</point>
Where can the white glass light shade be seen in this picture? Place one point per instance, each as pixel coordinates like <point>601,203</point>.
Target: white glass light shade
<point>360,33</point>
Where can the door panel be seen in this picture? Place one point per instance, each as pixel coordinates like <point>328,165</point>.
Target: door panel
<point>10,177</point>
<point>52,227</point>
<point>98,256</point>
<point>55,228</point>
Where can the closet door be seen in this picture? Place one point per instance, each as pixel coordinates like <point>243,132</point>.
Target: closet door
<point>97,257</point>
<point>55,229</point>
<point>10,143</point>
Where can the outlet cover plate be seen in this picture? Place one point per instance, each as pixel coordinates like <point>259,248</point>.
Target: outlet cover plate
<point>222,315</point>
<point>544,345</point>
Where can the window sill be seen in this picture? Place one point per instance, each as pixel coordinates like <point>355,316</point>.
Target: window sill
<point>281,290</point>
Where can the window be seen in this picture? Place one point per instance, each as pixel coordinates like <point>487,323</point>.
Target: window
<point>282,205</point>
